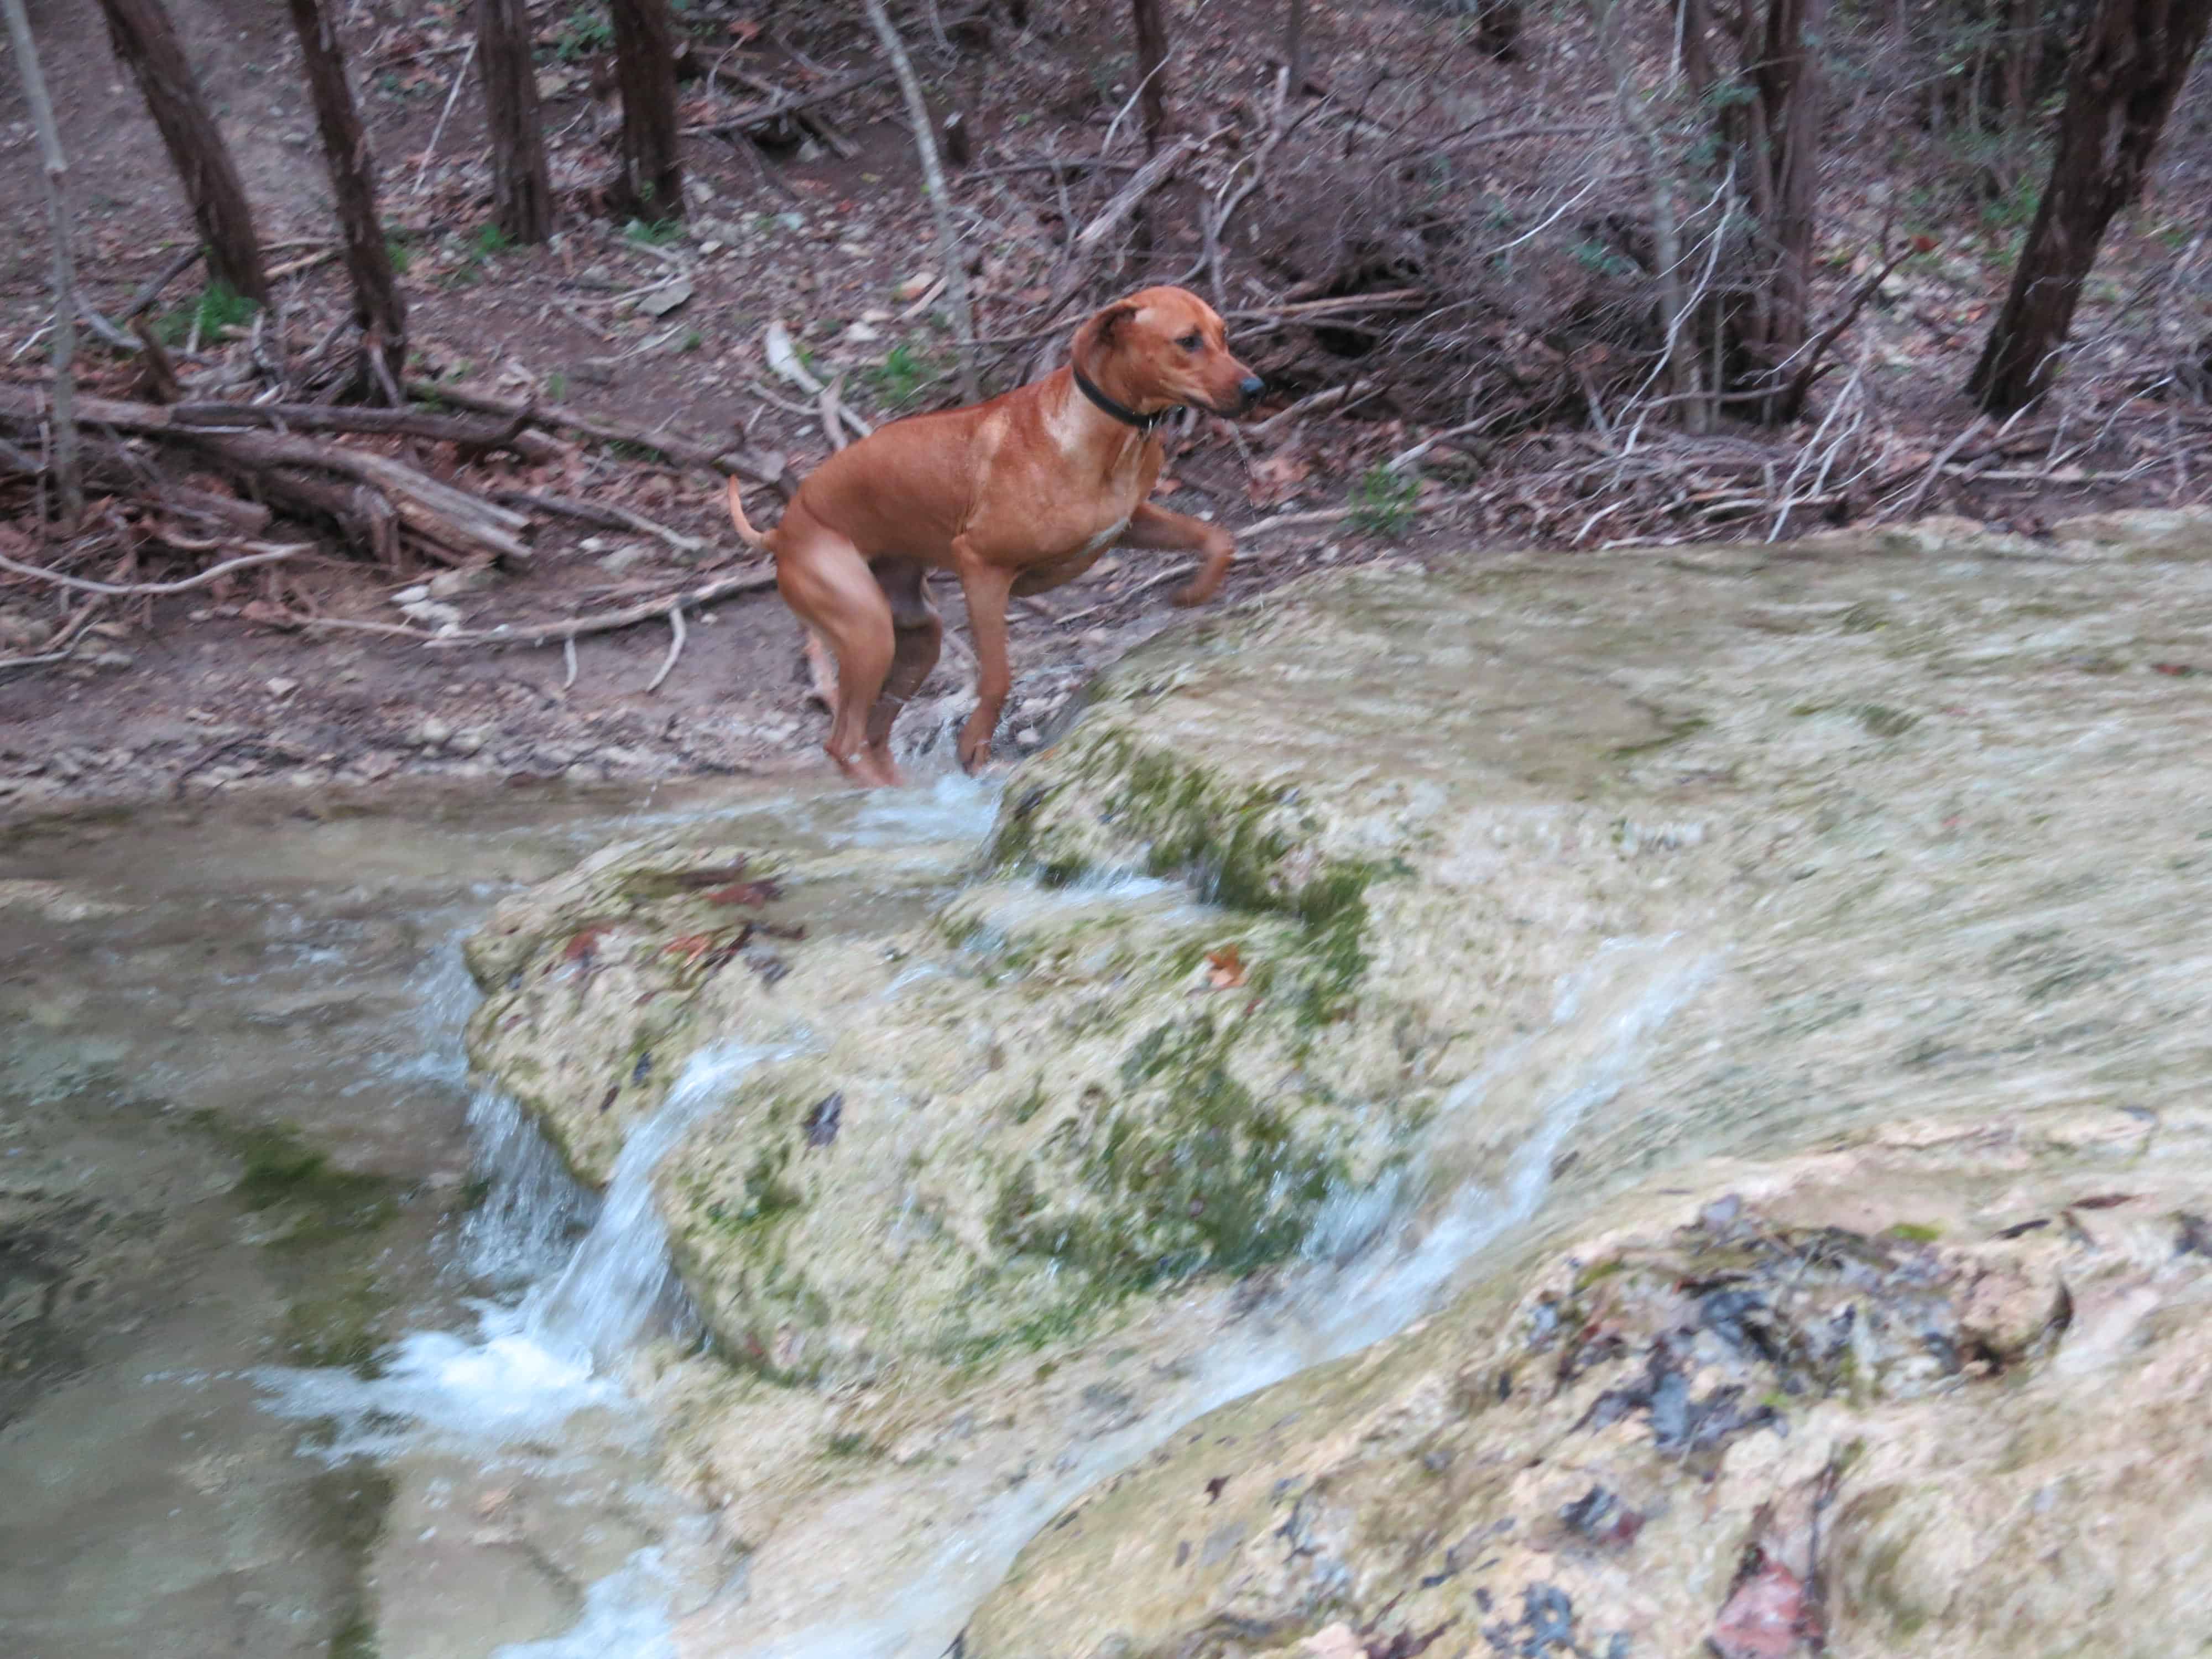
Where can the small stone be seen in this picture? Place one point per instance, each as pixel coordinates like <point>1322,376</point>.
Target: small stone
<point>415,595</point>
<point>623,557</point>
<point>469,740</point>
<point>112,659</point>
<point>862,334</point>
<point>915,286</point>
<point>432,733</point>
<point>283,688</point>
<point>448,584</point>
<point>431,612</point>
<point>662,300</point>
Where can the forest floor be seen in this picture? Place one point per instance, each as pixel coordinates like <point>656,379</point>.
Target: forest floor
<point>300,675</point>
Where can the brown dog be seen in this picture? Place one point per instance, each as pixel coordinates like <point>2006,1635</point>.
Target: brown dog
<point>1014,495</point>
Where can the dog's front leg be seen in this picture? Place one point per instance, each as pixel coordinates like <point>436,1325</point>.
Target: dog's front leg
<point>986,587</point>
<point>1157,528</point>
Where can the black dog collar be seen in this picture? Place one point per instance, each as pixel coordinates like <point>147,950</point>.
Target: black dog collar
<point>1122,412</point>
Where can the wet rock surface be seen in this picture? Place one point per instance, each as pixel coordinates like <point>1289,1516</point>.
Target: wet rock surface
<point>1272,968</point>
<point>1738,1422</point>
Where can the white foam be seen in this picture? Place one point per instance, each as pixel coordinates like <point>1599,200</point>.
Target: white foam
<point>441,1387</point>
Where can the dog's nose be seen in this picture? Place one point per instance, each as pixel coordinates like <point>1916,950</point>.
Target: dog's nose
<point>1252,386</point>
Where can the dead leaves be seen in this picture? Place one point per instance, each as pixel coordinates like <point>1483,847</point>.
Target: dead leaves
<point>750,894</point>
<point>1224,968</point>
<point>1768,1616</point>
<point>1276,479</point>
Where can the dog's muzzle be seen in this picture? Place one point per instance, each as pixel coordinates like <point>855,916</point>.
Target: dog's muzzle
<point>1247,393</point>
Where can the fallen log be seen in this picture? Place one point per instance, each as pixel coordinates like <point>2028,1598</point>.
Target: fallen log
<point>477,435</point>
<point>762,466</point>
<point>285,465</point>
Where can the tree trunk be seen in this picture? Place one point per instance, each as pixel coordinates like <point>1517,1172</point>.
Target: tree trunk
<point>1498,29</point>
<point>2126,72</point>
<point>1791,88</point>
<point>56,171</point>
<point>1152,57</point>
<point>522,196</point>
<point>650,187</point>
<point>933,181</point>
<point>377,306</point>
<point>146,43</point>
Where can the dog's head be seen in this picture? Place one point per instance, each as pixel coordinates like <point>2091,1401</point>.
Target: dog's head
<point>1161,347</point>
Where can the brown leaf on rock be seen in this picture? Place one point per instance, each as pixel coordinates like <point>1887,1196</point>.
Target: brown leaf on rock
<point>752,893</point>
<point>1767,1616</point>
<point>583,945</point>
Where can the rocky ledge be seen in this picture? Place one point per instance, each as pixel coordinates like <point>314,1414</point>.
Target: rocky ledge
<point>1871,865</point>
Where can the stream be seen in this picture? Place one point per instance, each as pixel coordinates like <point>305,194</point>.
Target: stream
<point>310,1346</point>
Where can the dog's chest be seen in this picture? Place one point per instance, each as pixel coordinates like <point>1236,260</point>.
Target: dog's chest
<point>1085,528</point>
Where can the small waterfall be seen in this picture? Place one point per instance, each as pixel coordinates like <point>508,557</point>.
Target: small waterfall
<point>620,1278</point>
<point>532,1213</point>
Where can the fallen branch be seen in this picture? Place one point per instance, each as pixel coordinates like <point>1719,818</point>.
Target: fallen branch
<point>150,289</point>
<point>762,466</point>
<point>750,582</point>
<point>1125,201</point>
<point>675,647</point>
<point>1935,468</point>
<point>606,516</point>
<point>341,417</point>
<point>1396,299</point>
<point>437,513</point>
<point>263,555</point>
<point>790,103</point>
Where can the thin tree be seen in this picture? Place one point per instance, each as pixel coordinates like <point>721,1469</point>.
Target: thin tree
<point>522,193</point>
<point>2126,71</point>
<point>56,172</point>
<point>1151,70</point>
<point>146,44</point>
<point>652,183</point>
<point>378,310</point>
<point>940,201</point>
<point>1768,111</point>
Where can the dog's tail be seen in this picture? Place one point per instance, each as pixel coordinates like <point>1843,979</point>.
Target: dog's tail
<point>752,537</point>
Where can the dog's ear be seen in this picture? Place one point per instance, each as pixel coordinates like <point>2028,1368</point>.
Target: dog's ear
<point>1106,327</point>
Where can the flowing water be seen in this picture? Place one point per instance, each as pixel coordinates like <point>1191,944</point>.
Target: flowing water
<point>312,1347</point>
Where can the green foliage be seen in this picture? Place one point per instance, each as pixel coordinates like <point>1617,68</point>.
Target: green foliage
<point>1382,503</point>
<point>904,374</point>
<point>219,306</point>
<point>584,31</point>
<point>659,233</point>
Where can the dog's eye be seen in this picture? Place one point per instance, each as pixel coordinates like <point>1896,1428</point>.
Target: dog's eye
<point>1190,341</point>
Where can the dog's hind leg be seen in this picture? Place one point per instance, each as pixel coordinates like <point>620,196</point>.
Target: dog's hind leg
<point>829,585</point>
<point>917,635</point>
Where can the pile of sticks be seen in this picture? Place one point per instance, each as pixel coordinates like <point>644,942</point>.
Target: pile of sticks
<point>381,505</point>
